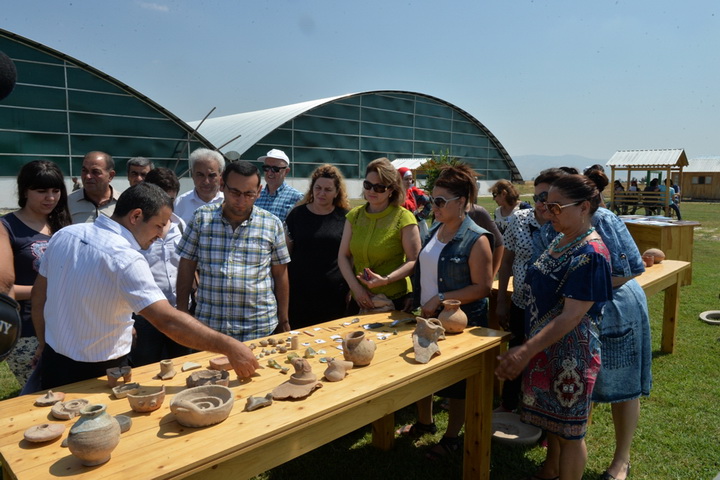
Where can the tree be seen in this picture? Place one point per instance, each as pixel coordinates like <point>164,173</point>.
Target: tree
<point>432,167</point>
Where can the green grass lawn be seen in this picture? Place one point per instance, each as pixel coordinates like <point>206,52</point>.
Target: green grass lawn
<point>679,427</point>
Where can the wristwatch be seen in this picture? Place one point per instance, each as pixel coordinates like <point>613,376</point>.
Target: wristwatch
<point>441,296</point>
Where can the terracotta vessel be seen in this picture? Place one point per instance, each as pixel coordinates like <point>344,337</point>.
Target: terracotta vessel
<point>337,369</point>
<point>122,391</point>
<point>202,406</point>
<point>114,374</point>
<point>44,433</point>
<point>425,338</point>
<point>208,377</point>
<point>50,398</point>
<point>358,349</point>
<point>167,370</point>
<point>147,399</point>
<point>69,409</point>
<point>253,403</point>
<point>452,318</point>
<point>94,436</point>
<point>301,383</point>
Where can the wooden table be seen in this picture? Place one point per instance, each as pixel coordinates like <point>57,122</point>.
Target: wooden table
<point>675,238</point>
<point>665,276</point>
<point>248,443</point>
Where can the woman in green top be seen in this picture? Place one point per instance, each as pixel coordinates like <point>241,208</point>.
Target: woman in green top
<point>380,241</point>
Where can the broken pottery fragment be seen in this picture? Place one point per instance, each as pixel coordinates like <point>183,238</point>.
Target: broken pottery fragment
<point>337,369</point>
<point>122,391</point>
<point>167,370</point>
<point>425,338</point>
<point>310,353</point>
<point>114,374</point>
<point>264,343</point>
<point>124,421</point>
<point>253,403</point>
<point>220,363</point>
<point>301,383</point>
<point>272,342</point>
<point>202,406</point>
<point>282,348</point>
<point>272,363</point>
<point>50,398</point>
<point>148,399</point>
<point>44,433</point>
<point>208,377</point>
<point>291,356</point>
<point>68,410</point>
<point>252,346</point>
<point>190,366</point>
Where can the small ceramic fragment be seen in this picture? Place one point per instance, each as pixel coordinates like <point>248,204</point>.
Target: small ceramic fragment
<point>291,356</point>
<point>355,320</point>
<point>205,377</point>
<point>167,370</point>
<point>50,398</point>
<point>68,410</point>
<point>252,346</point>
<point>281,341</point>
<point>125,422</point>
<point>282,349</point>
<point>324,360</point>
<point>122,391</point>
<point>274,364</point>
<point>114,374</point>
<point>295,343</point>
<point>220,363</point>
<point>273,351</point>
<point>253,403</point>
<point>310,353</point>
<point>301,383</point>
<point>263,343</point>
<point>190,366</point>
<point>284,370</point>
<point>272,342</point>
<point>260,355</point>
<point>44,433</point>
<point>337,369</point>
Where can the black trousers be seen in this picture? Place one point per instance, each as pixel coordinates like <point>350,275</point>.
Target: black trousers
<point>57,369</point>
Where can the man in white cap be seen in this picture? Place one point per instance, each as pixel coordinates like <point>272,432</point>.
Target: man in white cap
<point>277,197</point>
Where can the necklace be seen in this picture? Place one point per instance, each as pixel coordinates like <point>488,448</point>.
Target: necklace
<point>555,249</point>
<point>442,234</point>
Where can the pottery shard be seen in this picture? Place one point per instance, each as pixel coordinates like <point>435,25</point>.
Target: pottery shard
<point>220,363</point>
<point>337,369</point>
<point>425,338</point>
<point>208,377</point>
<point>124,421</point>
<point>68,410</point>
<point>253,403</point>
<point>301,384</point>
<point>114,374</point>
<point>190,366</point>
<point>122,391</point>
<point>167,370</point>
<point>44,433</point>
<point>50,398</point>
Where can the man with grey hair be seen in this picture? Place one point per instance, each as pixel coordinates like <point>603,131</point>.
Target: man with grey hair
<point>97,195</point>
<point>137,169</point>
<point>206,167</point>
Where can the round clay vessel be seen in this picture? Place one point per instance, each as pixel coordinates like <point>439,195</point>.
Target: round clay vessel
<point>147,399</point>
<point>44,432</point>
<point>452,318</point>
<point>94,436</point>
<point>50,398</point>
<point>358,349</point>
<point>202,406</point>
<point>69,409</point>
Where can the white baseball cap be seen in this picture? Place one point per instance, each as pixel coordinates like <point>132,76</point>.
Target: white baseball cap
<point>275,153</point>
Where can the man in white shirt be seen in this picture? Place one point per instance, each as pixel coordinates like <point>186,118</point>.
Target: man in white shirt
<point>92,278</point>
<point>206,168</point>
<point>97,195</point>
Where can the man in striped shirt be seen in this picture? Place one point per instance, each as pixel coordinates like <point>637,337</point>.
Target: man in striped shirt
<point>240,253</point>
<point>92,278</point>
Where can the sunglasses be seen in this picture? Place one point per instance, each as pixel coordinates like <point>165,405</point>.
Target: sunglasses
<point>541,198</point>
<point>556,208</point>
<point>377,187</point>
<point>267,168</point>
<point>440,202</point>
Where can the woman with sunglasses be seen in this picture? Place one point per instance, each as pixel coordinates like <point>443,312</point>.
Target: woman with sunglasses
<point>508,200</point>
<point>565,290</point>
<point>42,198</point>
<point>313,231</point>
<point>380,241</point>
<point>454,264</point>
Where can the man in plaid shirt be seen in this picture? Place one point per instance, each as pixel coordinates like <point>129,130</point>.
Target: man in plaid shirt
<point>240,254</point>
<point>277,197</point>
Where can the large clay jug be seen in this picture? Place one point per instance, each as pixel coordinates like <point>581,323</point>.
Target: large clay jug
<point>452,317</point>
<point>94,436</point>
<point>358,349</point>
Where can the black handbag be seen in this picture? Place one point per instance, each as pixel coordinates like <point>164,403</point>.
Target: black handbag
<point>9,325</point>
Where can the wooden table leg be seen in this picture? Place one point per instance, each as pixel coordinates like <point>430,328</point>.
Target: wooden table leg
<point>478,419</point>
<point>383,432</point>
<point>670,315</point>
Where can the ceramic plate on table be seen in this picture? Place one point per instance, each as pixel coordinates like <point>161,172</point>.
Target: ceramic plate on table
<point>507,428</point>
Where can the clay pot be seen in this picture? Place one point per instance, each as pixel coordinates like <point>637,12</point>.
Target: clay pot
<point>358,349</point>
<point>147,399</point>
<point>94,436</point>
<point>167,370</point>
<point>452,318</point>
<point>425,338</point>
<point>202,406</point>
<point>337,369</point>
<point>69,409</point>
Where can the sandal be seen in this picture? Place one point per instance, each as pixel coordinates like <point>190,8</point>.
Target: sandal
<point>416,430</point>
<point>446,447</point>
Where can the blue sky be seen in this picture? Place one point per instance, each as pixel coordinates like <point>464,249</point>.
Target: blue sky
<point>547,77</point>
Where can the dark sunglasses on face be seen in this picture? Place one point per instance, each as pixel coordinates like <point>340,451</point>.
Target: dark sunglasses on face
<point>540,198</point>
<point>556,208</point>
<point>440,202</point>
<point>377,187</point>
<point>275,169</point>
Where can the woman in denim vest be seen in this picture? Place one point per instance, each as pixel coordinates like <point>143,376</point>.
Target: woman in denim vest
<point>454,264</point>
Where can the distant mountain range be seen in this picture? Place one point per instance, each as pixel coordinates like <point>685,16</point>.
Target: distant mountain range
<point>531,165</point>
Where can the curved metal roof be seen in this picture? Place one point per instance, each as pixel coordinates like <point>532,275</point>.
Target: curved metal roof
<point>648,159</point>
<point>241,131</point>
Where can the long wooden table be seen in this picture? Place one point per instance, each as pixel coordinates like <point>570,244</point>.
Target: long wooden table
<point>248,443</point>
<point>666,276</point>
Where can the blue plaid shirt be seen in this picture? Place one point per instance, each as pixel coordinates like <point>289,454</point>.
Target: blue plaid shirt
<point>281,203</point>
<point>235,295</point>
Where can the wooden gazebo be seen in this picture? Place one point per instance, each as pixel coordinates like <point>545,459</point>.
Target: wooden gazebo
<point>667,162</point>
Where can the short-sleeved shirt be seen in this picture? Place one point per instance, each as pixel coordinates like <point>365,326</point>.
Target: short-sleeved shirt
<point>188,202</point>
<point>376,243</point>
<point>83,210</point>
<point>281,202</point>
<point>522,233</point>
<point>235,295</point>
<point>96,279</point>
<point>164,260</point>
